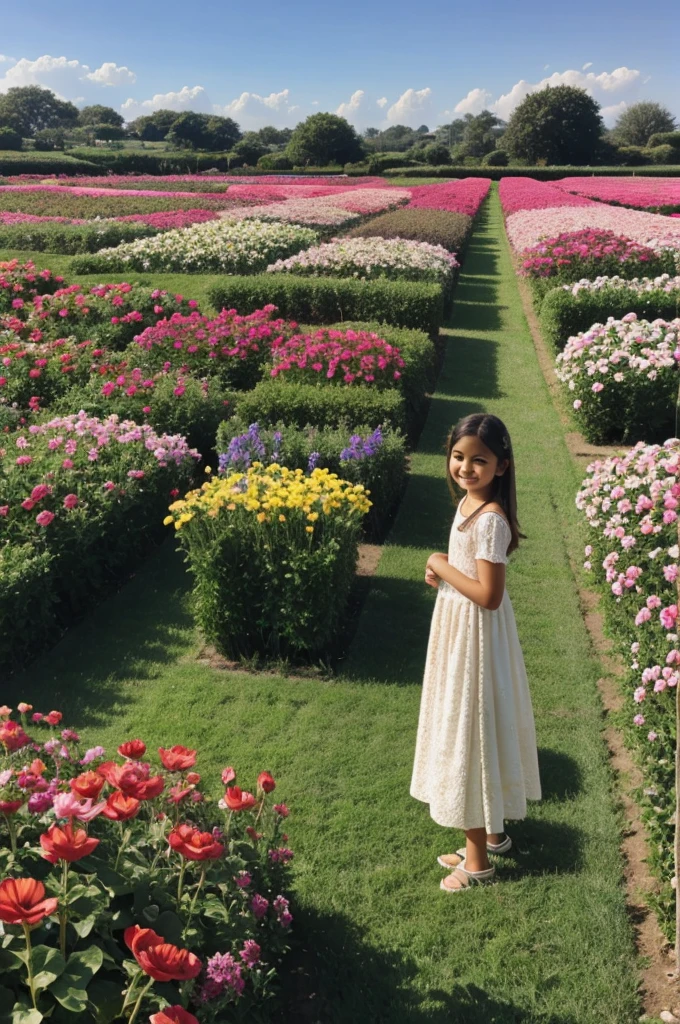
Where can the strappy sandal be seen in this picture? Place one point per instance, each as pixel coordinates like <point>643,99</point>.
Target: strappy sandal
<point>468,879</point>
<point>492,848</point>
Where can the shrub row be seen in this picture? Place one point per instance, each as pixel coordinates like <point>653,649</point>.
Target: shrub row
<point>539,173</point>
<point>438,227</point>
<point>564,314</point>
<point>298,405</point>
<point>32,163</point>
<point>71,239</point>
<point>325,300</point>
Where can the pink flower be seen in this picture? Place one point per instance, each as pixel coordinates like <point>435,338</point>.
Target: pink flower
<point>44,518</point>
<point>70,501</point>
<point>67,805</point>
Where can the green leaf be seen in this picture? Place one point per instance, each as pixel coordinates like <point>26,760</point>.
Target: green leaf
<point>84,927</point>
<point>70,988</point>
<point>169,926</point>
<point>151,913</point>
<point>6,1001</point>
<point>47,964</point>
<point>105,1000</point>
<point>24,1014</point>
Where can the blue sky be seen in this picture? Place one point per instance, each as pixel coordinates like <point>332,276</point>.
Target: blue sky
<point>378,63</point>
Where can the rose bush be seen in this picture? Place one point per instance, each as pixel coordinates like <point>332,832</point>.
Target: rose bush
<point>629,504</point>
<point>337,357</point>
<point>22,282</point>
<point>125,889</point>
<point>572,255</point>
<point>624,378</point>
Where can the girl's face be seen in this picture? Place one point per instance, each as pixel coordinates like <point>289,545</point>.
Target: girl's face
<point>473,466</point>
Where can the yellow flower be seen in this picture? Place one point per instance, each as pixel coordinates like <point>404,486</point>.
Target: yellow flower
<point>282,519</point>
<point>231,506</point>
<point>313,516</point>
<point>208,470</point>
<point>168,520</point>
<point>261,517</point>
<point>309,529</point>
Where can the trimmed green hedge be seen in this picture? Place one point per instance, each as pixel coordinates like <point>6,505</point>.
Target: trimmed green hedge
<point>438,227</point>
<point>12,162</point>
<point>71,239</point>
<point>563,315</point>
<point>539,173</point>
<point>325,300</point>
<point>272,401</point>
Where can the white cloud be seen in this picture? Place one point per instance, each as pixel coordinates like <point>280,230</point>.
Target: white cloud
<point>610,114</point>
<point>474,103</point>
<point>586,66</point>
<point>195,98</point>
<point>111,74</point>
<point>349,109</point>
<point>410,107</point>
<point>4,59</point>
<point>57,73</point>
<point>252,110</point>
<point>315,103</point>
<point>605,82</point>
<point>382,102</point>
<point>545,67</point>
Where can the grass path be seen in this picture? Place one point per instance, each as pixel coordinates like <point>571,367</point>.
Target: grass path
<point>551,944</point>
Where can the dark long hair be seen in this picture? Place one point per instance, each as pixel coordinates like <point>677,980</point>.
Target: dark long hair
<point>492,432</point>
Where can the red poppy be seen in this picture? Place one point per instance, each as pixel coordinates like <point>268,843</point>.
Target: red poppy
<point>194,844</point>
<point>173,1015</point>
<point>89,784</point>
<point>237,799</point>
<point>265,782</point>
<point>66,843</point>
<point>120,807</point>
<point>177,758</point>
<point>159,959</point>
<point>153,787</point>
<point>132,778</point>
<point>134,749</point>
<point>22,901</point>
<point>10,806</point>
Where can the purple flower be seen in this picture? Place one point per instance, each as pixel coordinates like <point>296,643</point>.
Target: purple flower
<point>259,906</point>
<point>92,755</point>
<point>250,954</point>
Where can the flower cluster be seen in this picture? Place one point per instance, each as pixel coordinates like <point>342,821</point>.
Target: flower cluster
<point>639,285</point>
<point>171,219</point>
<point>22,282</point>
<point>372,258</point>
<point>249,447</point>
<point>148,828</point>
<point>645,193</point>
<point>362,447</point>
<point>527,227</point>
<point>334,209</point>
<point>623,375</point>
<point>33,375</point>
<point>93,204</point>
<point>575,251</point>
<point>222,246</point>
<point>464,196</point>
<point>528,194</point>
<point>346,357</point>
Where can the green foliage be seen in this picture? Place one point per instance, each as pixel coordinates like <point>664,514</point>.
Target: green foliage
<point>436,154</point>
<point>9,138</point>
<point>663,154</point>
<point>639,122</point>
<point>27,601</point>
<point>98,114</point>
<point>496,158</point>
<point>153,127</point>
<point>33,163</point>
<point>274,162</point>
<point>71,238</point>
<point>559,124</point>
<point>563,315</point>
<point>30,108</point>
<point>324,139</point>
<point>201,131</point>
<point>326,300</point>
<point>438,227</point>
<point>538,173</point>
<point>632,156</point>
<point>250,148</point>
<point>277,400</point>
<point>671,138</point>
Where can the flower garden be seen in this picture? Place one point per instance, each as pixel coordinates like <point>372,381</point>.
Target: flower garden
<point>235,376</point>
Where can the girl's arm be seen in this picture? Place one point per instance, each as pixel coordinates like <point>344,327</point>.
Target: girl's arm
<point>487,592</point>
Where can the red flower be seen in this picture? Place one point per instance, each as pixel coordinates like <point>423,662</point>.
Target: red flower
<point>134,749</point>
<point>89,784</point>
<point>178,793</point>
<point>177,758</point>
<point>66,843</point>
<point>10,806</point>
<point>153,787</point>
<point>194,844</point>
<point>173,1015</point>
<point>132,778</point>
<point>159,959</point>
<point>253,834</point>
<point>228,775</point>
<point>237,799</point>
<point>22,900</point>
<point>120,807</point>
<point>13,737</point>
<point>54,718</point>
<point>265,782</point>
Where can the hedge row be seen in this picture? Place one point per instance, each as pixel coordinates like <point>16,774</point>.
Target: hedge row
<point>539,173</point>
<point>53,163</point>
<point>563,315</point>
<point>325,300</point>
<point>438,227</point>
<point>71,239</point>
<point>272,401</point>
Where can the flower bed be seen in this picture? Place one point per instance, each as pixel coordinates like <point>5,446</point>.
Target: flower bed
<point>337,357</point>
<point>373,258</point>
<point>437,227</point>
<point>91,203</point>
<point>298,536</point>
<point>527,227</point>
<point>572,255</point>
<point>624,378</point>
<point>528,194</point>
<point>338,209</point>
<point>125,891</point>
<point>172,219</point>
<point>70,239</point>
<point>21,282</point>
<point>89,495</point>
<point>630,505</point>
<point>33,376</point>
<point>464,196</point>
<point>217,247</point>
<point>662,194</point>
<point>574,307</point>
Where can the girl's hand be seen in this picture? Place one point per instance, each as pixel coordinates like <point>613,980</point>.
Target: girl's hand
<point>431,578</point>
<point>433,560</point>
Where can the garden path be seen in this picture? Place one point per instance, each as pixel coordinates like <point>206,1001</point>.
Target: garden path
<point>550,944</point>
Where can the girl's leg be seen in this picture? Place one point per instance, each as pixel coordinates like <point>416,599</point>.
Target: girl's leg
<point>476,857</point>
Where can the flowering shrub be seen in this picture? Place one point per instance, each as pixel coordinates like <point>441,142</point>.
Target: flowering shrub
<point>167,221</point>
<point>33,376</point>
<point>217,247</point>
<point>630,505</point>
<point>438,227</point>
<point>148,896</point>
<point>464,196</point>
<point>372,258</point>
<point>624,377</point>
<point>647,193</point>
<point>53,200</point>
<point>298,536</point>
<point>89,494</point>
<point>230,347</point>
<point>342,357</point>
<point>374,458</point>
<point>527,227</point>
<point>528,194</point>
<point>575,254</point>
<point>639,285</point>
<point>21,282</point>
<point>116,313</point>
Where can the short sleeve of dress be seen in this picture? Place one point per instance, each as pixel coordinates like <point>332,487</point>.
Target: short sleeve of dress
<point>492,537</point>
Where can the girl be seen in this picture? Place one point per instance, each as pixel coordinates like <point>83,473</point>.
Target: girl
<point>476,761</point>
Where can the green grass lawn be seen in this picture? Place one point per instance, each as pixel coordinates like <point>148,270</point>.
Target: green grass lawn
<point>379,942</point>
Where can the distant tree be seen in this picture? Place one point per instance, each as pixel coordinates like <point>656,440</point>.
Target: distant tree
<point>560,125</point>
<point>638,123</point>
<point>220,134</point>
<point>451,134</point>
<point>324,139</point>
<point>108,132</point>
<point>188,130</point>
<point>30,109</point>
<point>423,130</point>
<point>250,148</point>
<point>271,136</point>
<point>9,139</point>
<point>153,127</point>
<point>370,133</point>
<point>98,114</point>
<point>436,154</point>
<point>49,138</point>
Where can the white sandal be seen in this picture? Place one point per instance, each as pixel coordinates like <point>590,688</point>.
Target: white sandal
<point>468,879</point>
<point>492,848</point>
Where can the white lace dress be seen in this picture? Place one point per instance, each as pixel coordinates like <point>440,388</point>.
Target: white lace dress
<point>476,762</point>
